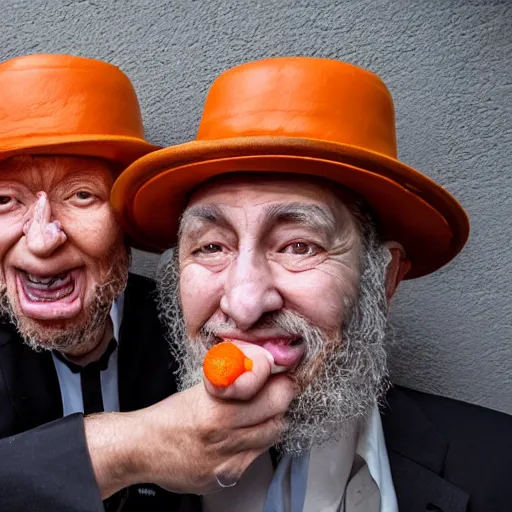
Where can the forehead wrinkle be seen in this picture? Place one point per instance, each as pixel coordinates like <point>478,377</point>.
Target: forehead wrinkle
<point>94,176</point>
<point>197,216</point>
<point>43,172</point>
<point>312,216</point>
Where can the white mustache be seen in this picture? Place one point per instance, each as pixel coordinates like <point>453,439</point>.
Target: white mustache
<point>345,371</point>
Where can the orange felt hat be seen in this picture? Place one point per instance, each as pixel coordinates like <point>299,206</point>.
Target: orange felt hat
<point>297,115</point>
<point>60,104</point>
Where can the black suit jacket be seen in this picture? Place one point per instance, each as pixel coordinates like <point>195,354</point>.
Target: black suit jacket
<point>445,455</point>
<point>44,463</point>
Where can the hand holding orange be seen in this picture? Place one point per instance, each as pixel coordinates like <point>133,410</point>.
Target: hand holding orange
<point>224,363</point>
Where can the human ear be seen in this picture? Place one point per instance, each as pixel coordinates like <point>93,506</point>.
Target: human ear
<point>398,266</point>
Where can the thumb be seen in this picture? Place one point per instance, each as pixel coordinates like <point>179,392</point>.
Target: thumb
<point>250,382</point>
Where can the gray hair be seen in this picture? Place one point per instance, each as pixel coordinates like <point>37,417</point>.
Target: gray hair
<point>343,375</point>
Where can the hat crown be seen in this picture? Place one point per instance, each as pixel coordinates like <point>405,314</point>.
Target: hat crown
<point>302,97</point>
<point>49,95</point>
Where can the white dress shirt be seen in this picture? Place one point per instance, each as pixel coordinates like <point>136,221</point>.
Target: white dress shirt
<point>371,446</point>
<point>69,382</point>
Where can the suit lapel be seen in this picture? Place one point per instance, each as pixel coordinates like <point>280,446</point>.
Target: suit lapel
<point>418,488</point>
<point>145,376</point>
<point>130,347</point>
<point>145,365</point>
<point>31,380</point>
<point>417,454</point>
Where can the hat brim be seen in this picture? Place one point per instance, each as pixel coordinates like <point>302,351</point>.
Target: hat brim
<point>150,195</point>
<point>123,150</point>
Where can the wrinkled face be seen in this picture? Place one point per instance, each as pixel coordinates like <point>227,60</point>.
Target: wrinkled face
<point>248,250</point>
<point>62,255</point>
<point>283,263</point>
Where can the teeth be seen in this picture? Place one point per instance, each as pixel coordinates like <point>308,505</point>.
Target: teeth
<point>40,280</point>
<point>45,280</point>
<point>34,296</point>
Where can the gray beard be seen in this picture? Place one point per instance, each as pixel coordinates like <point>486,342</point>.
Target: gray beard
<point>86,330</point>
<point>343,375</point>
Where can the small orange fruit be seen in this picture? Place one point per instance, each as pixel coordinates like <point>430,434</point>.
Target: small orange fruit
<point>224,363</point>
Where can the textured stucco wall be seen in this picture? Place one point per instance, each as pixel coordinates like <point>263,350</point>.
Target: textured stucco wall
<point>447,63</point>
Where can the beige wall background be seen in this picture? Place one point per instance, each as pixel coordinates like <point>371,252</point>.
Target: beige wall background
<point>448,66</point>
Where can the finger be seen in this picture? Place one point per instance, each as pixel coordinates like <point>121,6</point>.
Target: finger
<point>244,466</point>
<point>273,400</point>
<point>36,220</point>
<point>250,382</point>
<point>251,350</point>
<point>40,232</point>
<point>261,437</point>
<point>54,233</point>
<point>27,225</point>
<point>42,211</point>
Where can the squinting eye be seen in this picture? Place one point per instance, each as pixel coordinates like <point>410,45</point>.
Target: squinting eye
<point>209,249</point>
<point>83,195</point>
<point>5,200</point>
<point>82,198</point>
<point>301,249</point>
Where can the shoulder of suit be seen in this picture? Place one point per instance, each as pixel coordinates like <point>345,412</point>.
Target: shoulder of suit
<point>141,282</point>
<point>140,300</point>
<point>7,333</point>
<point>449,411</point>
<point>140,289</point>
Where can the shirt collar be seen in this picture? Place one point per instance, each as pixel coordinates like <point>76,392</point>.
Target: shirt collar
<point>371,446</point>
<point>116,315</point>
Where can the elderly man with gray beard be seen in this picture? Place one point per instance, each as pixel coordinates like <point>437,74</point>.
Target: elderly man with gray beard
<point>296,225</point>
<point>84,363</point>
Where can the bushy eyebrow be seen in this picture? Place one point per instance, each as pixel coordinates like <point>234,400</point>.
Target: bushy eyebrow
<point>311,216</point>
<point>199,215</point>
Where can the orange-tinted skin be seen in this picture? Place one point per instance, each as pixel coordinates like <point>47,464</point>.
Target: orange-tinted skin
<point>224,363</point>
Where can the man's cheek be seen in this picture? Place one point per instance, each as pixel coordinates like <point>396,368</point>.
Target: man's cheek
<point>8,282</point>
<point>200,299</point>
<point>3,272</point>
<point>93,233</point>
<point>100,265</point>
<point>193,313</point>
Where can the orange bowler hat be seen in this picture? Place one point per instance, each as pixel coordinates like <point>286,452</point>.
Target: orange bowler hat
<point>298,115</point>
<point>60,104</point>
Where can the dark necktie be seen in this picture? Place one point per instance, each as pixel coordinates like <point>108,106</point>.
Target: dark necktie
<point>90,379</point>
<point>92,397</point>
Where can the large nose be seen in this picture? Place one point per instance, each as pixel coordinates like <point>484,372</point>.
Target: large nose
<point>43,235</point>
<point>250,290</point>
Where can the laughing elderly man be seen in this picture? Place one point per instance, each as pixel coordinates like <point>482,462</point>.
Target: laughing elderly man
<point>77,335</point>
<point>297,225</point>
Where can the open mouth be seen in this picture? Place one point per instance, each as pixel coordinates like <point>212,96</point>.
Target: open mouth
<point>286,351</point>
<point>295,342</point>
<point>49,297</point>
<point>49,288</point>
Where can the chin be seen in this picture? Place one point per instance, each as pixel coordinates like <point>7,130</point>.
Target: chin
<point>64,335</point>
<point>50,334</point>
